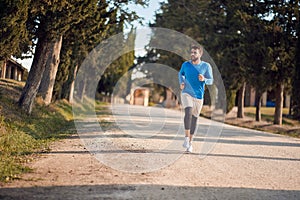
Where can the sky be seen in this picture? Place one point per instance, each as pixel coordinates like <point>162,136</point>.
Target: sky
<point>148,13</point>
<point>143,32</point>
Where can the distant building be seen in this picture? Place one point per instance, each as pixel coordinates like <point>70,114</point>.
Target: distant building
<point>10,69</point>
<point>140,96</point>
<point>171,100</point>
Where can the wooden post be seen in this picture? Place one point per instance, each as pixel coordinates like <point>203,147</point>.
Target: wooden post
<point>8,69</point>
<point>3,73</point>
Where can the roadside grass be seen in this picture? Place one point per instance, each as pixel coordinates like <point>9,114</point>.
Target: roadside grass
<point>22,136</point>
<point>265,110</point>
<point>289,127</point>
<point>267,114</point>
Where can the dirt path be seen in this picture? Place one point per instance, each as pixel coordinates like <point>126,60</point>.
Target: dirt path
<point>243,164</point>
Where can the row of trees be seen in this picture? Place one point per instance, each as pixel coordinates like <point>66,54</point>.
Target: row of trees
<point>62,33</point>
<point>252,42</point>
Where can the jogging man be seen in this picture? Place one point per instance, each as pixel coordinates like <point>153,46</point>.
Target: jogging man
<point>193,76</point>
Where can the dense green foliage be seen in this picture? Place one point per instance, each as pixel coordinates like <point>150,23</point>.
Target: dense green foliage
<point>250,41</point>
<point>79,40</point>
<point>15,37</point>
<point>38,24</point>
<point>108,19</point>
<point>296,81</point>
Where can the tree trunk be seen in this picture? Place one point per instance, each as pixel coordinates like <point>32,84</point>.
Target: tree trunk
<point>258,97</point>
<point>48,80</point>
<point>279,104</point>
<point>230,97</point>
<point>31,87</point>
<point>296,80</point>
<point>81,90</point>
<point>241,97</point>
<point>71,100</point>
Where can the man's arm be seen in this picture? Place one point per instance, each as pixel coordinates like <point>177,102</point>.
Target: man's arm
<point>181,77</point>
<point>209,76</point>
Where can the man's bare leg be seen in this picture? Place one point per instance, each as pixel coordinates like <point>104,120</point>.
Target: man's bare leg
<point>187,133</point>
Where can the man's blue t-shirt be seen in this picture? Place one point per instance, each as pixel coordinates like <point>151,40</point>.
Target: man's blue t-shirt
<point>188,75</point>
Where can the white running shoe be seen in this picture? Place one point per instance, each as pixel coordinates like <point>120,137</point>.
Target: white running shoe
<point>186,143</point>
<point>190,148</point>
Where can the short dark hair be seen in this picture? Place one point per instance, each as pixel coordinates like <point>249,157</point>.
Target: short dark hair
<point>199,47</point>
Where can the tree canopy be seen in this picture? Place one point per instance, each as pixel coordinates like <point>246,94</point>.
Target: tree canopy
<point>250,41</point>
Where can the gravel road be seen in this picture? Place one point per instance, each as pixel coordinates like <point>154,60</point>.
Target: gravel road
<point>136,153</point>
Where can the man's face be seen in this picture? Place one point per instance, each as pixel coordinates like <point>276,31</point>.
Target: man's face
<point>195,54</point>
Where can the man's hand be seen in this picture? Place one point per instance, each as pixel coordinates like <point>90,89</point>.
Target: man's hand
<point>182,86</point>
<point>201,77</point>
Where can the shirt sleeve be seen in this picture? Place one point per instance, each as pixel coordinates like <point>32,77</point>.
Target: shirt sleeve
<point>209,75</point>
<point>181,75</point>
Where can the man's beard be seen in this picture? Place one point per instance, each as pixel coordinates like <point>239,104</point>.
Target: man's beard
<point>194,58</point>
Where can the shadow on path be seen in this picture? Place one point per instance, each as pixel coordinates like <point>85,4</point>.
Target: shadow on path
<point>174,152</point>
<point>143,192</point>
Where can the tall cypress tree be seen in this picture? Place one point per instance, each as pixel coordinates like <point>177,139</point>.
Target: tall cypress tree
<point>118,69</point>
<point>80,40</point>
<point>15,38</point>
<point>296,80</point>
<point>49,20</point>
<point>215,24</point>
<point>107,20</point>
<point>283,30</point>
<point>256,60</point>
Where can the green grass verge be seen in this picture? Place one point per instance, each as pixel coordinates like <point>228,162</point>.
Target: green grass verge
<point>267,114</point>
<point>22,136</point>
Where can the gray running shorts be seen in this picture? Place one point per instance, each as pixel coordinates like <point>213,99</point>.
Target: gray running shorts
<point>189,101</point>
